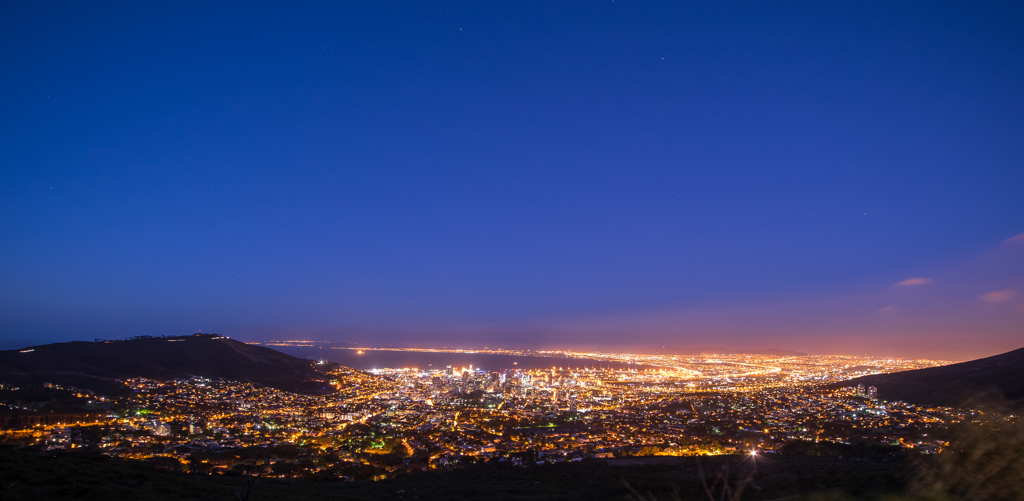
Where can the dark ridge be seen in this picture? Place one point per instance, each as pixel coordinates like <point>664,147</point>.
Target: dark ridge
<point>993,381</point>
<point>88,475</point>
<point>96,365</point>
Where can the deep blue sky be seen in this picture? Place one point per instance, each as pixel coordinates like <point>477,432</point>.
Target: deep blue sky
<point>491,173</point>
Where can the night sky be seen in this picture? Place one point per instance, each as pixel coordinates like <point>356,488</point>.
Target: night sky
<point>829,177</point>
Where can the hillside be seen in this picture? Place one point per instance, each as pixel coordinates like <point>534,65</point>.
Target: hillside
<point>96,365</point>
<point>87,475</point>
<point>997,379</point>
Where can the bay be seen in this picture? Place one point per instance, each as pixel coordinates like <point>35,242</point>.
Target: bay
<point>368,359</point>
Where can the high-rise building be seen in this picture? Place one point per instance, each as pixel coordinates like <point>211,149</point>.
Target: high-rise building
<point>860,389</point>
<point>159,427</point>
<point>872,392</point>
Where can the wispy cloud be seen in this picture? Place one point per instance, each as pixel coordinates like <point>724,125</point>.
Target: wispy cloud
<point>889,309</point>
<point>914,281</point>
<point>999,296</point>
<point>1016,239</point>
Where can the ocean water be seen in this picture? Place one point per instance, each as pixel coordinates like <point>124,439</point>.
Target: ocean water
<point>387,359</point>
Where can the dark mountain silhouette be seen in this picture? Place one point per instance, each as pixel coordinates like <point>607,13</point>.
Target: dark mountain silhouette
<point>997,380</point>
<point>95,365</point>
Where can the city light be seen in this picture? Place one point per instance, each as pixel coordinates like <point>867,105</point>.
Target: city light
<point>611,405</point>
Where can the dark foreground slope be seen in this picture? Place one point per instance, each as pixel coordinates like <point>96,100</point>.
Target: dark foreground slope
<point>998,379</point>
<point>66,476</point>
<point>96,365</point>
